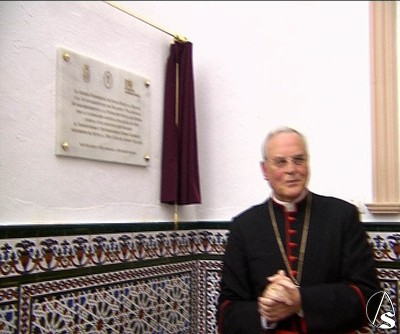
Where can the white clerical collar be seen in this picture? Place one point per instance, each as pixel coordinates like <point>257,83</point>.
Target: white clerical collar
<point>290,206</point>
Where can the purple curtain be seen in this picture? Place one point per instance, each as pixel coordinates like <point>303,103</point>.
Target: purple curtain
<point>180,183</point>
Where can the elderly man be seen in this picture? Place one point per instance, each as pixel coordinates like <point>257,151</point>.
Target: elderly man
<point>299,262</point>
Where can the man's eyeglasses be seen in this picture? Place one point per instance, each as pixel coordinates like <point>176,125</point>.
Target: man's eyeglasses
<point>297,160</point>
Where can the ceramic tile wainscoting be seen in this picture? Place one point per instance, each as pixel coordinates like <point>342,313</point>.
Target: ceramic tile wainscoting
<point>131,278</point>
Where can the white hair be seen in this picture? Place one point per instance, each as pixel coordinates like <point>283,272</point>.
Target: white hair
<point>273,133</point>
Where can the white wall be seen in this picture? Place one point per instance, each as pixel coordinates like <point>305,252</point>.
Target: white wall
<point>257,65</point>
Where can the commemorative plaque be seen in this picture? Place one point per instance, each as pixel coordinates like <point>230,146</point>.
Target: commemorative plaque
<point>102,112</point>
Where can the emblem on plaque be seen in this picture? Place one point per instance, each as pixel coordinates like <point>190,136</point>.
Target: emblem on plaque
<point>86,73</point>
<point>108,79</point>
<point>129,87</point>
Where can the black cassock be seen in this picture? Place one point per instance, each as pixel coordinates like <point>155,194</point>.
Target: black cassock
<point>337,276</point>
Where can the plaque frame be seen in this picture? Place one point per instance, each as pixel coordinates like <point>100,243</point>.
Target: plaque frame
<point>102,111</point>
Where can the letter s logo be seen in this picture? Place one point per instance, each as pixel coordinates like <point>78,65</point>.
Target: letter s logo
<point>385,318</point>
<point>380,310</point>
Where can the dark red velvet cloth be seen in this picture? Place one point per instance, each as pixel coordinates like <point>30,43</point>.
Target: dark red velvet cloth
<point>180,181</point>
